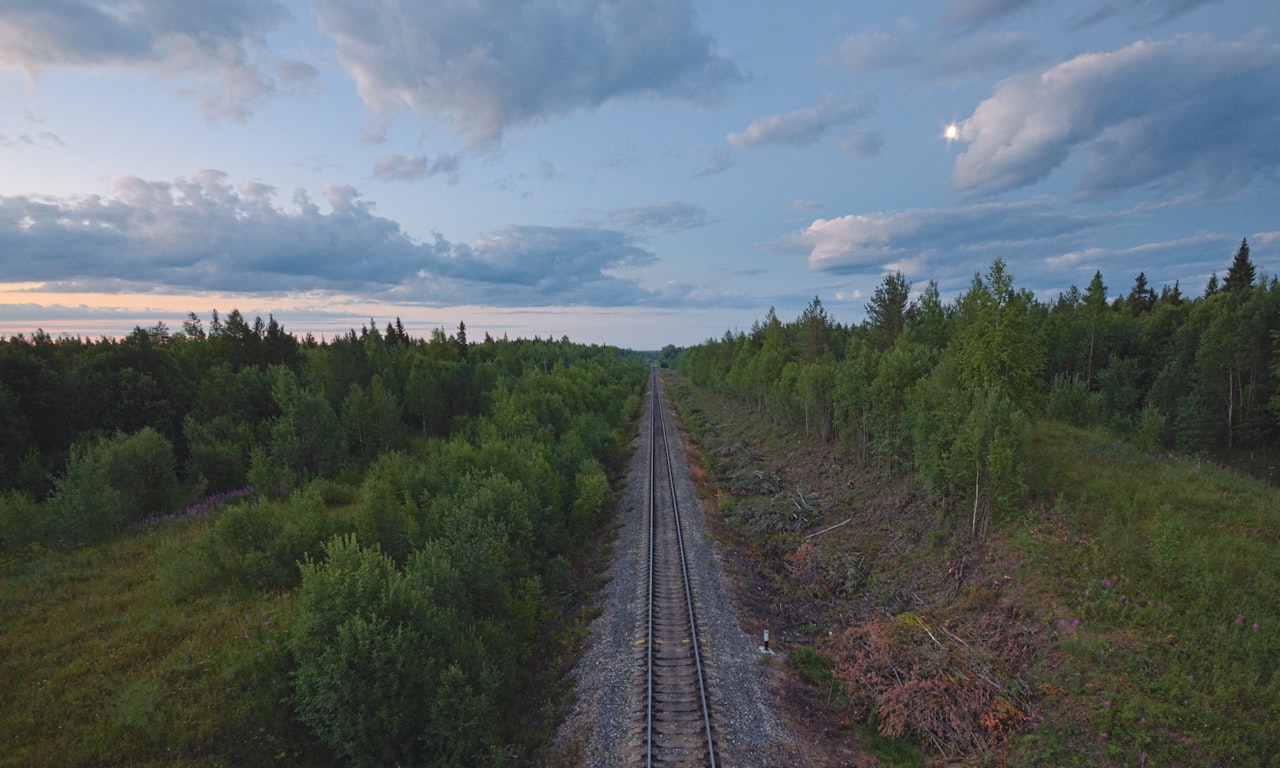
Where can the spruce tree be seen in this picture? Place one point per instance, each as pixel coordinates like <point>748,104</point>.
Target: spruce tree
<point>1241,274</point>
<point>1141,297</point>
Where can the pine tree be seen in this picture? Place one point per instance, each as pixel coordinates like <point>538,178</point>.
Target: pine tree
<point>1241,274</point>
<point>887,310</point>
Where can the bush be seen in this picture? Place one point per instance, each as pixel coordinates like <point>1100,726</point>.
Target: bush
<point>143,469</point>
<point>215,454</point>
<point>253,547</point>
<point>84,506</point>
<point>1070,401</point>
<point>112,482</point>
<point>386,675</point>
<point>22,521</point>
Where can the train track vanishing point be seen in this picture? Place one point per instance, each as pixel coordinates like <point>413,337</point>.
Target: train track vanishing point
<point>677,729</point>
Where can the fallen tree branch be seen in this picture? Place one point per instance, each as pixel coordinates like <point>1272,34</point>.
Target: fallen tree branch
<point>824,530</point>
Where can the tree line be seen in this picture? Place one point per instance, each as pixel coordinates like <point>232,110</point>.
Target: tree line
<point>418,505</point>
<point>948,390</point>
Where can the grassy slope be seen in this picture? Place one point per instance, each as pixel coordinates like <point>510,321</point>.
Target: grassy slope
<point>1164,580</point>
<point>100,667</point>
<point>1122,601</point>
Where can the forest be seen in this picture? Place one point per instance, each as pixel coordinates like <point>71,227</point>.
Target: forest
<point>1065,513</point>
<point>233,545</point>
<point>948,391</point>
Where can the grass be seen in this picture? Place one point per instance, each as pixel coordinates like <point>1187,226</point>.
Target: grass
<point>100,666</point>
<point>1163,574</point>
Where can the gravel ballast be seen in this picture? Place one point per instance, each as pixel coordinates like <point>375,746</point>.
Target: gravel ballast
<point>603,728</point>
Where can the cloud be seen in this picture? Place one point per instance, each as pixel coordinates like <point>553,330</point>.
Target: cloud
<point>970,56</point>
<point>933,61</point>
<point>45,139</point>
<point>206,234</point>
<point>535,266</point>
<point>670,216</point>
<point>1046,246</point>
<point>210,42</point>
<point>1173,113</point>
<point>936,243</point>
<point>719,160</point>
<point>802,127</point>
<point>972,13</point>
<point>1149,11</point>
<point>873,50</point>
<point>862,144</point>
<point>486,67</point>
<point>397,167</point>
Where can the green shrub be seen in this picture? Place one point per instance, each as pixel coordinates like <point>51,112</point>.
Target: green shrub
<point>84,506</point>
<point>591,492</point>
<point>112,482</point>
<point>22,521</point>
<point>1070,401</point>
<point>386,675</point>
<point>252,547</point>
<point>143,469</point>
<point>215,454</point>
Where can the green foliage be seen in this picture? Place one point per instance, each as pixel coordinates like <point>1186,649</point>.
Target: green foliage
<point>251,547</point>
<point>112,482</point>
<point>387,673</point>
<point>307,436</point>
<point>23,522</point>
<point>372,419</point>
<point>83,505</point>
<point>216,454</point>
<point>996,339</point>
<point>507,473</point>
<point>388,512</point>
<point>1069,401</point>
<point>142,468</point>
<point>590,494</point>
<point>887,311</point>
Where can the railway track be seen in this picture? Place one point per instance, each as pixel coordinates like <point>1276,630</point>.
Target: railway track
<point>677,728</point>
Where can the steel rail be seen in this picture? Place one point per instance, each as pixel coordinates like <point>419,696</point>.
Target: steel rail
<point>659,426</point>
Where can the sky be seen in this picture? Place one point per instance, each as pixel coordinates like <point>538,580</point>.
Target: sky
<point>628,172</point>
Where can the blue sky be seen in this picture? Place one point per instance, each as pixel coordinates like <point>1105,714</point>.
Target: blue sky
<point>632,172</point>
